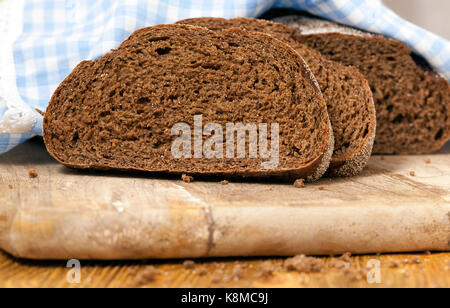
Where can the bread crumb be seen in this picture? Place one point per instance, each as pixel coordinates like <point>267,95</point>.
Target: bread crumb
<point>188,264</point>
<point>224,182</point>
<point>338,264</point>
<point>382,158</point>
<point>428,161</point>
<point>355,275</point>
<point>238,272</point>
<point>393,264</point>
<point>187,179</point>
<point>412,173</point>
<point>266,269</point>
<point>202,271</point>
<point>413,260</point>
<point>220,277</point>
<point>300,183</point>
<point>346,257</point>
<point>321,188</point>
<point>217,279</point>
<point>304,264</point>
<point>148,274</point>
<point>32,174</point>
<point>416,260</point>
<point>10,186</point>
<point>428,253</point>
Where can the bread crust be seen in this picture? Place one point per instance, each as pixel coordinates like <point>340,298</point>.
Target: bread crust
<point>311,171</point>
<point>355,163</point>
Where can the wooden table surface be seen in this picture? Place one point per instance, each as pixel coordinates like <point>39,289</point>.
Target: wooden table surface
<point>410,270</point>
<point>432,272</point>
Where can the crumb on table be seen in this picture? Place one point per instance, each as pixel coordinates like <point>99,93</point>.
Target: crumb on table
<point>224,182</point>
<point>355,275</point>
<point>412,173</point>
<point>189,264</point>
<point>266,269</point>
<point>321,188</point>
<point>148,274</point>
<point>300,183</point>
<point>393,264</point>
<point>32,174</point>
<point>202,271</point>
<point>10,186</point>
<point>187,178</point>
<point>346,257</point>
<point>304,264</point>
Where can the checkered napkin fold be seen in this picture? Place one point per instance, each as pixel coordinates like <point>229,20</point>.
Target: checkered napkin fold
<point>43,40</point>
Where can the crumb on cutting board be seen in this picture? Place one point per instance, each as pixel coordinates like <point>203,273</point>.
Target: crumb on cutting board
<point>412,173</point>
<point>32,174</point>
<point>413,260</point>
<point>300,183</point>
<point>224,182</point>
<point>201,271</point>
<point>10,186</point>
<point>355,275</point>
<point>238,272</point>
<point>338,264</point>
<point>346,257</point>
<point>266,269</point>
<point>428,161</point>
<point>189,264</point>
<point>393,264</point>
<point>304,264</point>
<point>187,178</point>
<point>321,188</point>
<point>146,275</point>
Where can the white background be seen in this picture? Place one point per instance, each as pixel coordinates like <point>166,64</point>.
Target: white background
<point>433,15</point>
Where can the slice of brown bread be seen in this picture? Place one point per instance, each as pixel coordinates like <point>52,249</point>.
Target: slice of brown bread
<point>346,92</point>
<point>118,112</point>
<point>412,102</point>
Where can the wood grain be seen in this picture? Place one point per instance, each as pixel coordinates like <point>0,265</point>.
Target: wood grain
<point>432,272</point>
<point>64,214</point>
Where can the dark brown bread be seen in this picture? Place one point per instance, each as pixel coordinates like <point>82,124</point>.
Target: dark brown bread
<point>413,103</point>
<point>346,92</point>
<point>117,112</point>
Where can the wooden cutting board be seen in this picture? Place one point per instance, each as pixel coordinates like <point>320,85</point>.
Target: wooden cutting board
<point>399,204</point>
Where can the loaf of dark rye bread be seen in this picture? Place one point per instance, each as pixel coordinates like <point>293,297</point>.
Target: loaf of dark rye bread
<point>117,112</point>
<point>346,92</point>
<point>412,102</point>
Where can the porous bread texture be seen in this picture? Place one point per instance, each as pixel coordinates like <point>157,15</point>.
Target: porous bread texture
<point>346,92</point>
<point>117,112</point>
<point>412,102</point>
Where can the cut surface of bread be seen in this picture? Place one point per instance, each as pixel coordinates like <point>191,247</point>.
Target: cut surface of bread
<point>118,112</point>
<point>412,102</point>
<point>345,90</point>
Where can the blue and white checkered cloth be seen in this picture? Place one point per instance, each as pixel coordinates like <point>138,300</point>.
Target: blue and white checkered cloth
<point>55,35</point>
